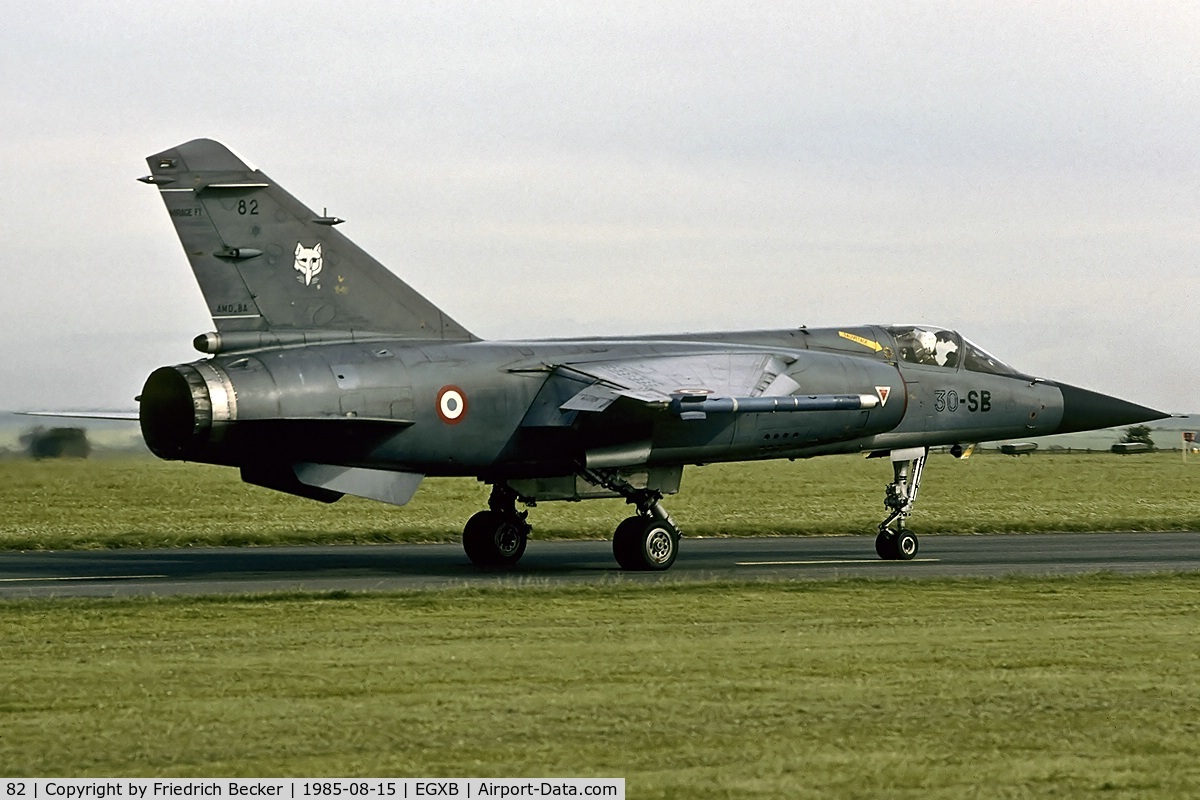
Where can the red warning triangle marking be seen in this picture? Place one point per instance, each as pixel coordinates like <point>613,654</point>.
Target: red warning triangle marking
<point>883,392</point>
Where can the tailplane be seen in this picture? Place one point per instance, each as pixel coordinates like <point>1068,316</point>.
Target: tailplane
<point>267,263</point>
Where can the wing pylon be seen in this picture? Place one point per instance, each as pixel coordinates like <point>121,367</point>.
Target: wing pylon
<point>694,386</point>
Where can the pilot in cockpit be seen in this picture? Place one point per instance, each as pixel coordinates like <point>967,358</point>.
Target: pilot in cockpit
<point>946,350</point>
<point>924,347</point>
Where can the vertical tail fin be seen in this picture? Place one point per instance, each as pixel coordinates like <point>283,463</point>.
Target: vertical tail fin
<point>265,262</point>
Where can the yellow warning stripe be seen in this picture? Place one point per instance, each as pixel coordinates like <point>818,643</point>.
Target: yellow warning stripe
<point>865,342</point>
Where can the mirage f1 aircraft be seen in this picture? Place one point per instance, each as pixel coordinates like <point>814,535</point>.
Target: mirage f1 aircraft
<point>328,375</point>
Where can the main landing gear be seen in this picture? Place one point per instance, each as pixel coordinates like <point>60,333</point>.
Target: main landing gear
<point>896,542</point>
<point>497,537</point>
<point>648,541</point>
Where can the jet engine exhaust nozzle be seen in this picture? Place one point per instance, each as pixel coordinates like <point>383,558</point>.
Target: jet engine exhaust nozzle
<point>184,409</point>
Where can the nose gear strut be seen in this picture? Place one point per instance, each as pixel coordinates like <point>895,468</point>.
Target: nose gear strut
<point>895,542</point>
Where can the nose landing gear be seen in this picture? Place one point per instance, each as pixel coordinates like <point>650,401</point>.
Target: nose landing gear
<point>896,542</point>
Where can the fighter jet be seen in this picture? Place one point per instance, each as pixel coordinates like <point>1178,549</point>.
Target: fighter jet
<point>328,375</point>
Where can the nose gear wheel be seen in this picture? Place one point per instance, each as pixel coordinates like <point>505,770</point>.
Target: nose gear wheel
<point>896,544</point>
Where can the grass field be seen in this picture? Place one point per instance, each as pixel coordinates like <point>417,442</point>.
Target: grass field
<point>1072,687</point>
<point>140,501</point>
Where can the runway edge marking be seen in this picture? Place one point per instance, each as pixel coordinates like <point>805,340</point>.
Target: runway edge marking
<point>52,578</point>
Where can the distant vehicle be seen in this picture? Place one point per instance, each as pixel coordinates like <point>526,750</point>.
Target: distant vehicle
<point>1018,449</point>
<point>328,375</point>
<point>41,443</point>
<point>1125,448</point>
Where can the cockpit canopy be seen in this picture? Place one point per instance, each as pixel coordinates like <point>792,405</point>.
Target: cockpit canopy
<point>938,347</point>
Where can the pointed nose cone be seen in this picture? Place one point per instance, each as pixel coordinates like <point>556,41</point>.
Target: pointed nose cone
<point>1085,410</point>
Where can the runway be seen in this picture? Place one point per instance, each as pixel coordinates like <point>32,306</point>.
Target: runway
<point>432,566</point>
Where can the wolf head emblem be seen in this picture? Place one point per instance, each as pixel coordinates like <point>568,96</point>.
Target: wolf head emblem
<point>308,262</point>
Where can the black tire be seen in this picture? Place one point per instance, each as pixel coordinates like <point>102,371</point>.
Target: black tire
<point>906,546</point>
<point>493,539</point>
<point>625,542</point>
<point>643,544</point>
<point>885,545</point>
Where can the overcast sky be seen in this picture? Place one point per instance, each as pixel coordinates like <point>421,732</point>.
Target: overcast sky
<point>1027,173</point>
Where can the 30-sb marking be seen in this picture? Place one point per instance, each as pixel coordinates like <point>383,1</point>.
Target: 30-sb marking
<point>948,400</point>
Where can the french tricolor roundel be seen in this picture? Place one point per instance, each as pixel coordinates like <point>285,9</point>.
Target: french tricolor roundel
<point>451,404</point>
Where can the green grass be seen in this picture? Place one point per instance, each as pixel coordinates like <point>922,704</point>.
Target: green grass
<point>139,501</point>
<point>1071,687</point>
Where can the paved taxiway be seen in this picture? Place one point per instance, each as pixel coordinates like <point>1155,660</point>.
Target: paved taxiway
<point>392,567</point>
